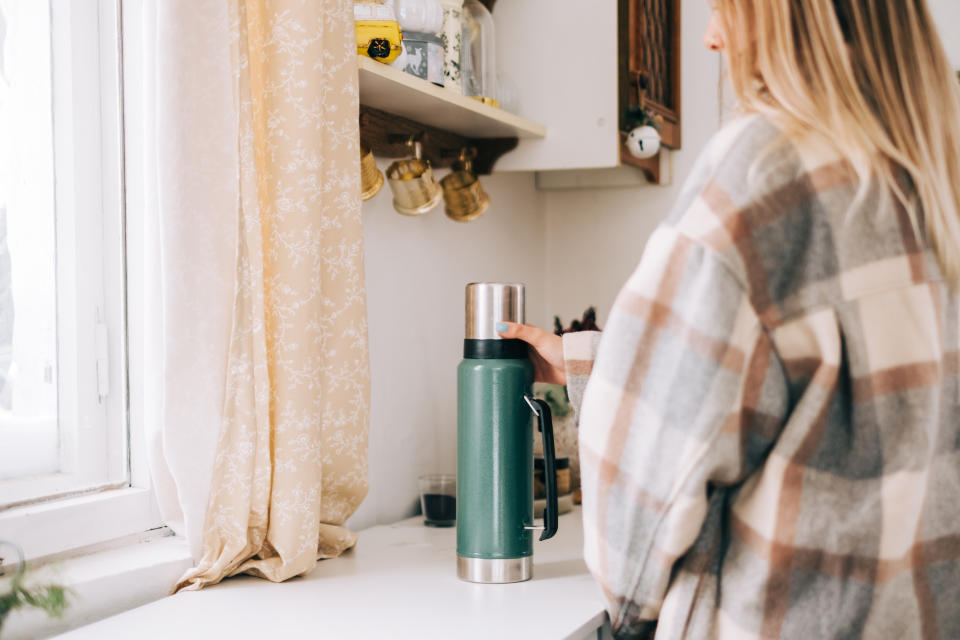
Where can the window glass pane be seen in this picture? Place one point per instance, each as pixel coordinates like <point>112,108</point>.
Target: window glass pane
<point>29,439</point>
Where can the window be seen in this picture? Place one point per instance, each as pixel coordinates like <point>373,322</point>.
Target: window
<point>28,357</point>
<point>64,428</point>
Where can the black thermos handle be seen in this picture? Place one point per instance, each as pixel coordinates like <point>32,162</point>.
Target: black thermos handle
<point>545,424</point>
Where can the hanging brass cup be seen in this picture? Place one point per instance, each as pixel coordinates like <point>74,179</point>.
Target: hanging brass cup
<point>371,178</point>
<point>466,200</point>
<point>415,190</point>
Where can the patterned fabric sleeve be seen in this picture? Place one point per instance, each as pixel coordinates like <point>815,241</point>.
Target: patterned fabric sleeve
<point>685,397</point>
<point>579,352</point>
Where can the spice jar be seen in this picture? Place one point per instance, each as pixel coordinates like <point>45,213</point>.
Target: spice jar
<point>563,476</point>
<point>422,56</point>
<point>452,38</point>
<point>422,16</point>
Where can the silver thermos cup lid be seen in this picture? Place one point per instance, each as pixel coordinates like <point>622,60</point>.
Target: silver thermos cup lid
<point>489,303</point>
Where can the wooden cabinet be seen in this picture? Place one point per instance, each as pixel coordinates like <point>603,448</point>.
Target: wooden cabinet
<point>561,55</point>
<point>649,67</point>
<point>650,62</point>
<point>579,67</point>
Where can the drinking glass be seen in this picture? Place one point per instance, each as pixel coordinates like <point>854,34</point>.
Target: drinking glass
<point>438,498</point>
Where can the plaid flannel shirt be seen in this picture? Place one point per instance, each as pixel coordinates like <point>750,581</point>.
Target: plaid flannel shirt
<point>770,434</point>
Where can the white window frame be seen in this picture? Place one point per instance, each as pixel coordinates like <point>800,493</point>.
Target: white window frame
<point>126,506</point>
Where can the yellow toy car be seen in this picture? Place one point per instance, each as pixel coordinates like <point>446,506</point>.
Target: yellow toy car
<point>378,32</point>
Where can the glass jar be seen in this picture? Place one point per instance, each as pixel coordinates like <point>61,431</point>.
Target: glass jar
<point>421,16</point>
<point>451,37</point>
<point>479,62</point>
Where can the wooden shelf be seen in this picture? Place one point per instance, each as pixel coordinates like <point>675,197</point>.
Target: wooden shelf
<point>386,134</point>
<point>388,89</point>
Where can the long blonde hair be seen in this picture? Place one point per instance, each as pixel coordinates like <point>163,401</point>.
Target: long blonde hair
<point>873,77</point>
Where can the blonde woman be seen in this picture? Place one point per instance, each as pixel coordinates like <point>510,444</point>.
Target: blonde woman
<point>770,435</point>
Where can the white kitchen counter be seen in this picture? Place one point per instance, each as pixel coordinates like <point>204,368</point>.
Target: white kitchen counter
<point>399,582</point>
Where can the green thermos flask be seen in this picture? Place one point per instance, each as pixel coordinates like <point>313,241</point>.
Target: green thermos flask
<point>495,407</point>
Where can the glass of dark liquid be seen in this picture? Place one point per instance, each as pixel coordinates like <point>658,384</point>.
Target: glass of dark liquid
<point>438,498</point>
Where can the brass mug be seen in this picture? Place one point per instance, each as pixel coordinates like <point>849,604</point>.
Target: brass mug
<point>371,178</point>
<point>466,200</point>
<point>415,190</point>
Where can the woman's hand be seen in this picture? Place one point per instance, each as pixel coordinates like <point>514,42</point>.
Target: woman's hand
<point>546,350</point>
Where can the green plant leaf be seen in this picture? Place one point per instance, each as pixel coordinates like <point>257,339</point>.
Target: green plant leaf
<point>51,598</point>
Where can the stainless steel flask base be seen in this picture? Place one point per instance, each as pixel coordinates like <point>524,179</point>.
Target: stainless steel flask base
<point>497,571</point>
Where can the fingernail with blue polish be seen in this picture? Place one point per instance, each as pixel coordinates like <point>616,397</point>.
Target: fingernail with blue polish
<point>501,327</point>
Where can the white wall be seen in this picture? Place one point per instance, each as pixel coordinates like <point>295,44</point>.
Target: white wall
<point>596,236</point>
<point>946,13</point>
<point>417,269</point>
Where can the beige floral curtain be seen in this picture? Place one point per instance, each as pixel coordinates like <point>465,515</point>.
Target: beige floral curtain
<point>290,461</point>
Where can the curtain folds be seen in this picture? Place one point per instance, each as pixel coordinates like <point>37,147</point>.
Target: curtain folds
<point>266,374</point>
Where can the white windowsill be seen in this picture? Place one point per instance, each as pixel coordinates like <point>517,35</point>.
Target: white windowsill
<point>105,583</point>
<point>74,524</point>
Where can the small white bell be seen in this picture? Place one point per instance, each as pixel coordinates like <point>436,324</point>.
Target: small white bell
<point>643,142</point>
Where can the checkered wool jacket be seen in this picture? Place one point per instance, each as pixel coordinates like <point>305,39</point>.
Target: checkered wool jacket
<point>770,433</point>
